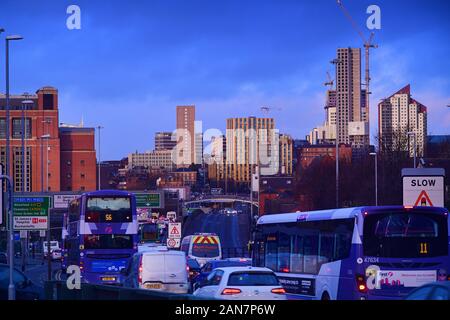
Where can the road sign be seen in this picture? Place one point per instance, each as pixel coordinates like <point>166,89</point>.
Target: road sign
<point>175,230</point>
<point>61,201</point>
<point>31,213</point>
<point>173,243</point>
<point>149,200</point>
<point>423,187</point>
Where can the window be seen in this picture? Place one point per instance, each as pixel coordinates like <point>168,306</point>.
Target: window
<point>48,101</point>
<point>17,128</point>
<point>82,162</point>
<point>252,279</point>
<point>2,128</point>
<point>82,175</point>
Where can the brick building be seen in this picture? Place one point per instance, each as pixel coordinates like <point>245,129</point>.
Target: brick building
<point>41,118</point>
<point>308,153</point>
<point>78,161</point>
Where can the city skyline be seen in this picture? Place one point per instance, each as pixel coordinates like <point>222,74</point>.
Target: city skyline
<point>224,58</point>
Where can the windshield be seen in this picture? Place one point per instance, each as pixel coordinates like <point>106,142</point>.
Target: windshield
<point>252,279</point>
<point>108,209</point>
<point>405,235</point>
<point>205,250</point>
<point>108,241</point>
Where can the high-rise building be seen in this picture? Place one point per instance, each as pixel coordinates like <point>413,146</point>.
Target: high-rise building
<point>353,122</point>
<point>398,115</point>
<point>78,159</point>
<point>41,117</point>
<point>286,154</point>
<point>216,168</point>
<point>185,151</point>
<point>251,141</point>
<point>198,148</point>
<point>163,141</point>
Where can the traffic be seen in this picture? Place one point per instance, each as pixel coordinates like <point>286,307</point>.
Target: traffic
<point>363,253</point>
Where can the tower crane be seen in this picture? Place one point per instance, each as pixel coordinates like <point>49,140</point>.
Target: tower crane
<point>330,82</point>
<point>368,44</point>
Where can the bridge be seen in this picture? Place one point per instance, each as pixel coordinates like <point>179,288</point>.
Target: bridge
<point>221,199</point>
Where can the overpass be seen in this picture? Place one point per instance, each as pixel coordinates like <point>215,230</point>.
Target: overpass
<point>221,199</point>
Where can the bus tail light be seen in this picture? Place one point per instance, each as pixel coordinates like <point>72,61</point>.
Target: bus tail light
<point>140,271</point>
<point>278,291</point>
<point>361,283</point>
<point>230,291</point>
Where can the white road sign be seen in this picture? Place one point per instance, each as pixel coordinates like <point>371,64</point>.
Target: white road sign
<point>173,243</point>
<point>174,230</point>
<point>423,191</point>
<point>30,223</point>
<point>61,201</point>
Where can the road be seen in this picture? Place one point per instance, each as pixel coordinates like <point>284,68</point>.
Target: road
<point>233,230</point>
<point>36,271</point>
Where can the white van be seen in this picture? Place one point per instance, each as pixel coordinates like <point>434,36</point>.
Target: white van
<point>162,270</point>
<point>203,247</point>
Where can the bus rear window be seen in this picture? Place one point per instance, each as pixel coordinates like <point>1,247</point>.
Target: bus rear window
<point>108,241</point>
<point>205,250</point>
<point>405,235</point>
<point>149,232</point>
<point>108,209</point>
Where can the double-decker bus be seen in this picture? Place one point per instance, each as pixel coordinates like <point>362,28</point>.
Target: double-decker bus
<point>100,235</point>
<point>355,253</point>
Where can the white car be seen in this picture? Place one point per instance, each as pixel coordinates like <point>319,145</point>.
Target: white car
<point>241,283</point>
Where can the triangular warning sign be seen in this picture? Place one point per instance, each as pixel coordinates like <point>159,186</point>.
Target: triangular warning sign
<point>423,200</point>
<point>174,231</point>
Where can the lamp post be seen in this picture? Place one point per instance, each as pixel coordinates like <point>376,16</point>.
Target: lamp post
<point>375,155</point>
<point>49,263</point>
<point>99,161</point>
<point>7,40</point>
<point>415,146</point>
<point>336,62</point>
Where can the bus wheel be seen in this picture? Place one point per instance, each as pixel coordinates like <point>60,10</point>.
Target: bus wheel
<point>325,296</point>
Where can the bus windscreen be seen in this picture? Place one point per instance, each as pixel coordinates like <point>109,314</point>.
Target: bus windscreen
<point>108,209</point>
<point>405,235</point>
<point>108,241</point>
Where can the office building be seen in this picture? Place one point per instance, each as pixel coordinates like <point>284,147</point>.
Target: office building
<point>42,143</point>
<point>163,141</point>
<point>185,151</point>
<point>158,159</point>
<point>251,141</point>
<point>78,159</point>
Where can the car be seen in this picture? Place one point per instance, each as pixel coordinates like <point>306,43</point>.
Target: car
<point>241,283</point>
<point>432,291</point>
<point>161,270</point>
<point>210,266</point>
<point>194,268</point>
<point>55,250</point>
<point>25,288</point>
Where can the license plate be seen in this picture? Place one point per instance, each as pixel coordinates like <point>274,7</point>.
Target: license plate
<point>108,279</point>
<point>153,286</point>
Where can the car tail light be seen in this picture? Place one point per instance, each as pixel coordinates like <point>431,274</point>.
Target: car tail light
<point>140,271</point>
<point>285,270</point>
<point>230,291</point>
<point>278,291</point>
<point>361,283</point>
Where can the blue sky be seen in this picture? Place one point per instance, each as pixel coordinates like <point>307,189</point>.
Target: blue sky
<point>133,61</point>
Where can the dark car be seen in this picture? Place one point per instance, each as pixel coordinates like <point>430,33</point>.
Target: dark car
<point>25,288</point>
<point>210,266</point>
<point>432,291</point>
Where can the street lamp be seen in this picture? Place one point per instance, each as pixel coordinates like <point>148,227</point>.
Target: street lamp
<point>7,40</point>
<point>49,264</point>
<point>336,62</point>
<point>375,155</point>
<point>99,163</point>
<point>414,135</point>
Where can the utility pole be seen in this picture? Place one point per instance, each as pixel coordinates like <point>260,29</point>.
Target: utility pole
<point>99,161</point>
<point>336,62</point>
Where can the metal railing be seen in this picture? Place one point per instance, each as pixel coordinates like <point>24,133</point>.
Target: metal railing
<point>57,290</point>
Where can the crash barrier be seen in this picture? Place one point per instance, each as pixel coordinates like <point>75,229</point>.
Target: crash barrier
<point>58,290</point>
<point>240,252</point>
